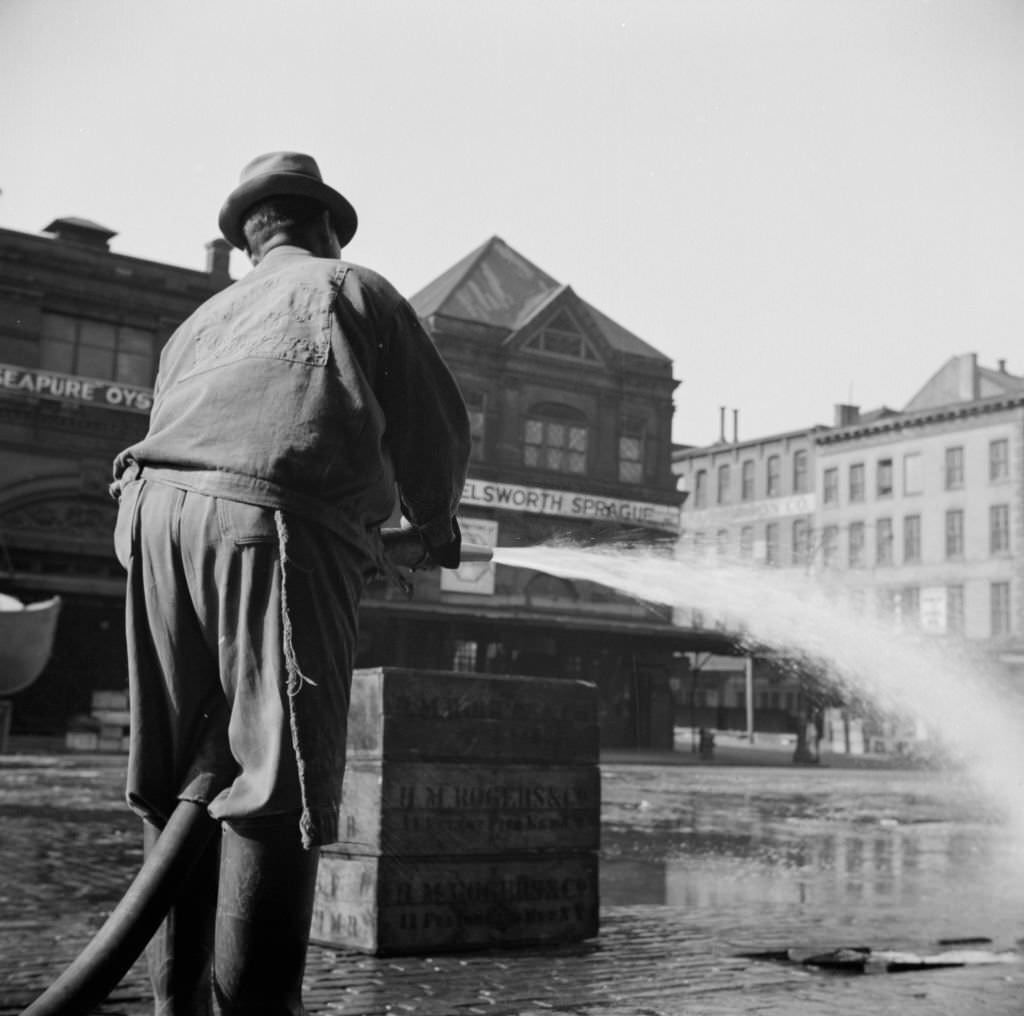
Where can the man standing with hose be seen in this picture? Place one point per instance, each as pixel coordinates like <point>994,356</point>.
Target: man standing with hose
<point>289,409</point>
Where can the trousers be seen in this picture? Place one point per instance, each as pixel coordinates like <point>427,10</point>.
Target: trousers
<point>241,632</point>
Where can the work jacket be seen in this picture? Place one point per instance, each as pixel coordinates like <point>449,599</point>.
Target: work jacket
<point>310,386</point>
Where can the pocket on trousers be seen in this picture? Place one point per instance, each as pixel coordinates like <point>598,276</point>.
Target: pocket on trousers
<point>246,523</point>
<point>124,528</point>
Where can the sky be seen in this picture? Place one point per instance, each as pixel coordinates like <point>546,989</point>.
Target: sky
<point>800,202</point>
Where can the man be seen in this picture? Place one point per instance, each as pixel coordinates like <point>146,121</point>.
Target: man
<point>288,410</point>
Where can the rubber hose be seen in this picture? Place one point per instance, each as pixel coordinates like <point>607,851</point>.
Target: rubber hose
<point>96,971</point>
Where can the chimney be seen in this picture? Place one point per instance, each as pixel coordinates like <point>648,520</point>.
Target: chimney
<point>82,232</point>
<point>218,258</point>
<point>721,424</point>
<point>968,382</point>
<point>735,426</point>
<point>846,415</point>
<point>1002,366</point>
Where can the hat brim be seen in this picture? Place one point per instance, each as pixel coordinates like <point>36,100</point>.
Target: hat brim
<point>247,194</point>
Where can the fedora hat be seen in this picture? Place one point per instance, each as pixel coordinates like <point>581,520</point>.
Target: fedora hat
<point>278,173</point>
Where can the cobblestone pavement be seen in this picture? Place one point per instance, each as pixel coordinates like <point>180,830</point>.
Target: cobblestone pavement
<point>68,848</point>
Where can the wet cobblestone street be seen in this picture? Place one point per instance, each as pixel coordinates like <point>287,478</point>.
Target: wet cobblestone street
<point>700,866</point>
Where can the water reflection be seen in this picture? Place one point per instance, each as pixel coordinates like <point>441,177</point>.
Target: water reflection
<point>904,851</point>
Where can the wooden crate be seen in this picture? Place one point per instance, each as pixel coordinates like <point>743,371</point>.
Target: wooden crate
<point>403,905</point>
<point>424,808</point>
<point>402,714</point>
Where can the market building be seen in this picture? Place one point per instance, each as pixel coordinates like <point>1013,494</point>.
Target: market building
<point>81,329</point>
<point>571,420</point>
<point>912,516</point>
<point>921,512</point>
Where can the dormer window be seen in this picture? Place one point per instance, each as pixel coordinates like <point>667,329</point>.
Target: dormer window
<point>563,338</point>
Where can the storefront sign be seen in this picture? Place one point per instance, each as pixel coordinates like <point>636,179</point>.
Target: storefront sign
<point>754,511</point>
<point>934,608</point>
<point>566,504</point>
<point>475,577</point>
<point>48,384</point>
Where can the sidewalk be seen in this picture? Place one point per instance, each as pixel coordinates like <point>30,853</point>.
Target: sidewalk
<point>69,848</point>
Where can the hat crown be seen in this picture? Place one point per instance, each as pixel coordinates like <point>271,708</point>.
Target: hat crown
<point>273,163</point>
<point>281,174</point>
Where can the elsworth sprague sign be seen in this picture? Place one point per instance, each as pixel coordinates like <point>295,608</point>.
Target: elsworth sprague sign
<point>545,501</point>
<point>49,384</point>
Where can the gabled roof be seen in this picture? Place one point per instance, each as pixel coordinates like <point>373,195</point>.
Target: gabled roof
<point>495,285</point>
<point>960,379</point>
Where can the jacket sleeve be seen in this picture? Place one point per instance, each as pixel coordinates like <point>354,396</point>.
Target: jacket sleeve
<point>427,432</point>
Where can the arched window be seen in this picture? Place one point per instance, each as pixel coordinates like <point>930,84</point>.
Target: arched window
<point>747,481</point>
<point>723,483</point>
<point>476,406</point>
<point>800,476</point>
<point>700,489</point>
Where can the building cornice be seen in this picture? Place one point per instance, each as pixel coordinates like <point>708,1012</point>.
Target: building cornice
<point>922,418</point>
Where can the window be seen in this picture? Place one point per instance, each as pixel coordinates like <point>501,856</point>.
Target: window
<point>911,539</point>
<point>475,405</point>
<point>830,486</point>
<point>800,476</point>
<point>887,603</point>
<point>954,533</point>
<point>1000,608</point>
<point>954,468</point>
<point>771,543</point>
<point>97,349</point>
<point>883,542</point>
<point>555,438</point>
<point>631,458</point>
<point>910,606</point>
<point>722,542</point>
<point>747,543</point>
<point>747,481</point>
<point>464,656</point>
<point>857,481</point>
<point>955,609</point>
<point>723,483</point>
<point>913,473</point>
<point>999,529</point>
<point>563,338</point>
<point>801,541</point>
<point>830,546</point>
<point>700,489</point>
<point>998,460</point>
<point>773,476</point>
<point>884,478</point>
<point>856,544</point>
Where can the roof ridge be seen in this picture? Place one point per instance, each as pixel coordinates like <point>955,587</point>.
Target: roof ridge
<point>453,277</point>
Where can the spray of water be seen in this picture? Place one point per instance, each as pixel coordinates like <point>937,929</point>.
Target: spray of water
<point>979,720</point>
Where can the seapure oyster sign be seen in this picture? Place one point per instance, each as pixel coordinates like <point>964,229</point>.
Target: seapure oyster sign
<point>48,384</point>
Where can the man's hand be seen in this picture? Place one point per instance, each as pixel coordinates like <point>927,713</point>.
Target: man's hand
<point>405,548</point>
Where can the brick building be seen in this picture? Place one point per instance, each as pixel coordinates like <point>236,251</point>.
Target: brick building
<point>81,329</point>
<point>571,416</point>
<point>571,421</point>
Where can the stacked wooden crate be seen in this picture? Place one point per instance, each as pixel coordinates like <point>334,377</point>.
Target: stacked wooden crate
<point>470,815</point>
<point>104,728</point>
